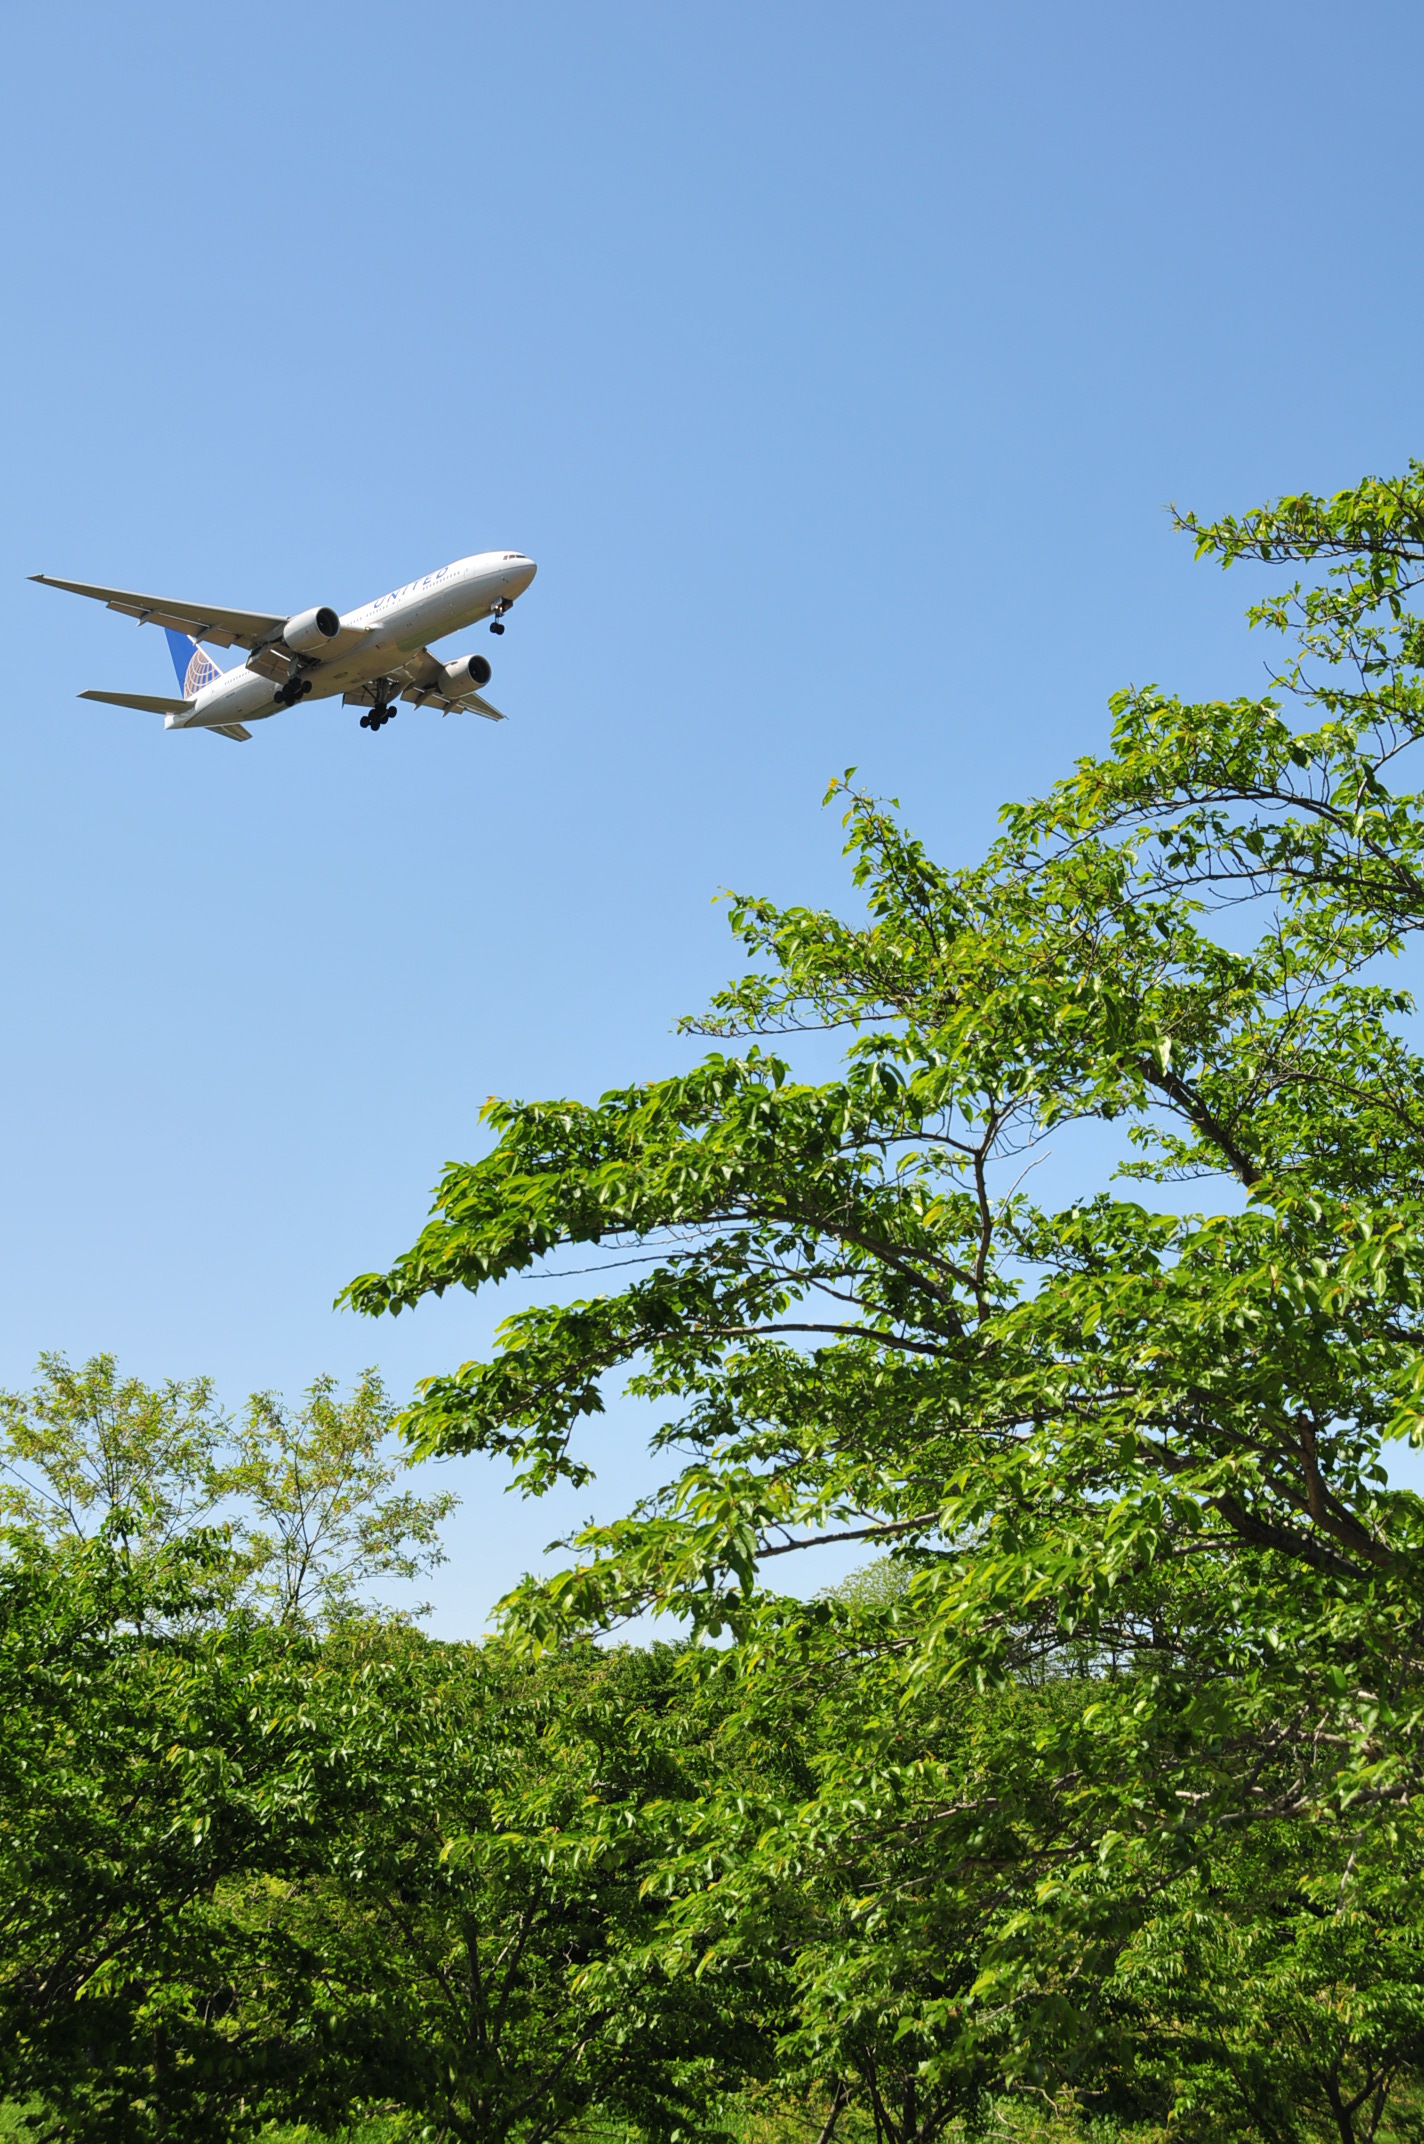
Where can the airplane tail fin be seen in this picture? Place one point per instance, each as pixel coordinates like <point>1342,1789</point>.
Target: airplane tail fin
<point>194,668</point>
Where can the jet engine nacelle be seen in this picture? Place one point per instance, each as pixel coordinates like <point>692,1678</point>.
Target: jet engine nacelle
<point>467,675</point>
<point>310,632</point>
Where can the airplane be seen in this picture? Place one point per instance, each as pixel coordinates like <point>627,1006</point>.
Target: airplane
<point>372,656</point>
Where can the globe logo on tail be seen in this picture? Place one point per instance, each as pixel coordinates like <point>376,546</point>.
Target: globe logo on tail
<point>201,671</point>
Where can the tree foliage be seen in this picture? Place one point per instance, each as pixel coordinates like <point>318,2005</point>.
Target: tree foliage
<point>319,1518</point>
<point>89,1452</point>
<point>250,1873</point>
<point>479,1939</point>
<point>147,1758</point>
<point>305,1495</point>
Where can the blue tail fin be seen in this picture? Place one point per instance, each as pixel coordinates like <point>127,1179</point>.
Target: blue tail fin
<point>194,668</point>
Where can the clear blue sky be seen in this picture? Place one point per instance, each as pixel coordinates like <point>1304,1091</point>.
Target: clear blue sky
<point>834,363</point>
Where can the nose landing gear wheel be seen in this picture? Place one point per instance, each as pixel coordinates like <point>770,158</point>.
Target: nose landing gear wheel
<point>496,627</point>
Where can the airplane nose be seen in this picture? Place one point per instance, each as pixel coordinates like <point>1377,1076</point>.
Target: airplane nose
<point>526,574</point>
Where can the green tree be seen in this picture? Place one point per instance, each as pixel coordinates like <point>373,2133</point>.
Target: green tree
<point>1102,1435</point>
<point>262,1858</point>
<point>307,1495</point>
<point>478,1943</point>
<point>252,1875</point>
<point>147,1758</point>
<point>1279,1991</point>
<point>88,1451</point>
<point>319,1519</point>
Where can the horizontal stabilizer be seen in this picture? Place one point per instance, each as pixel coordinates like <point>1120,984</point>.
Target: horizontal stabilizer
<point>146,702</point>
<point>229,729</point>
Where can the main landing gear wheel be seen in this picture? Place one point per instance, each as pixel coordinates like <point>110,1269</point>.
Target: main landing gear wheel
<point>377,718</point>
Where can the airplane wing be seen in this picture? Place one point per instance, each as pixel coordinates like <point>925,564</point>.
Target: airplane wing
<point>224,628</point>
<point>412,680</point>
<point>479,706</point>
<point>418,674</point>
<point>422,696</point>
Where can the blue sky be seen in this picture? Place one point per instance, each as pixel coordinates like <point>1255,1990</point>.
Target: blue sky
<point>836,366</point>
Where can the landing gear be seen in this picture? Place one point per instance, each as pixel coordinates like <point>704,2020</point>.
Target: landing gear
<point>500,605</point>
<point>296,688</point>
<point>378,716</point>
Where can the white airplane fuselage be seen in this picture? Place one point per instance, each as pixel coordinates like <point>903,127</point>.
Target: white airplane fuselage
<point>372,642</point>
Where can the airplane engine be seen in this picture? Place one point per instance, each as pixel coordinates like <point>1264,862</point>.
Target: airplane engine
<point>309,632</point>
<point>467,675</point>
